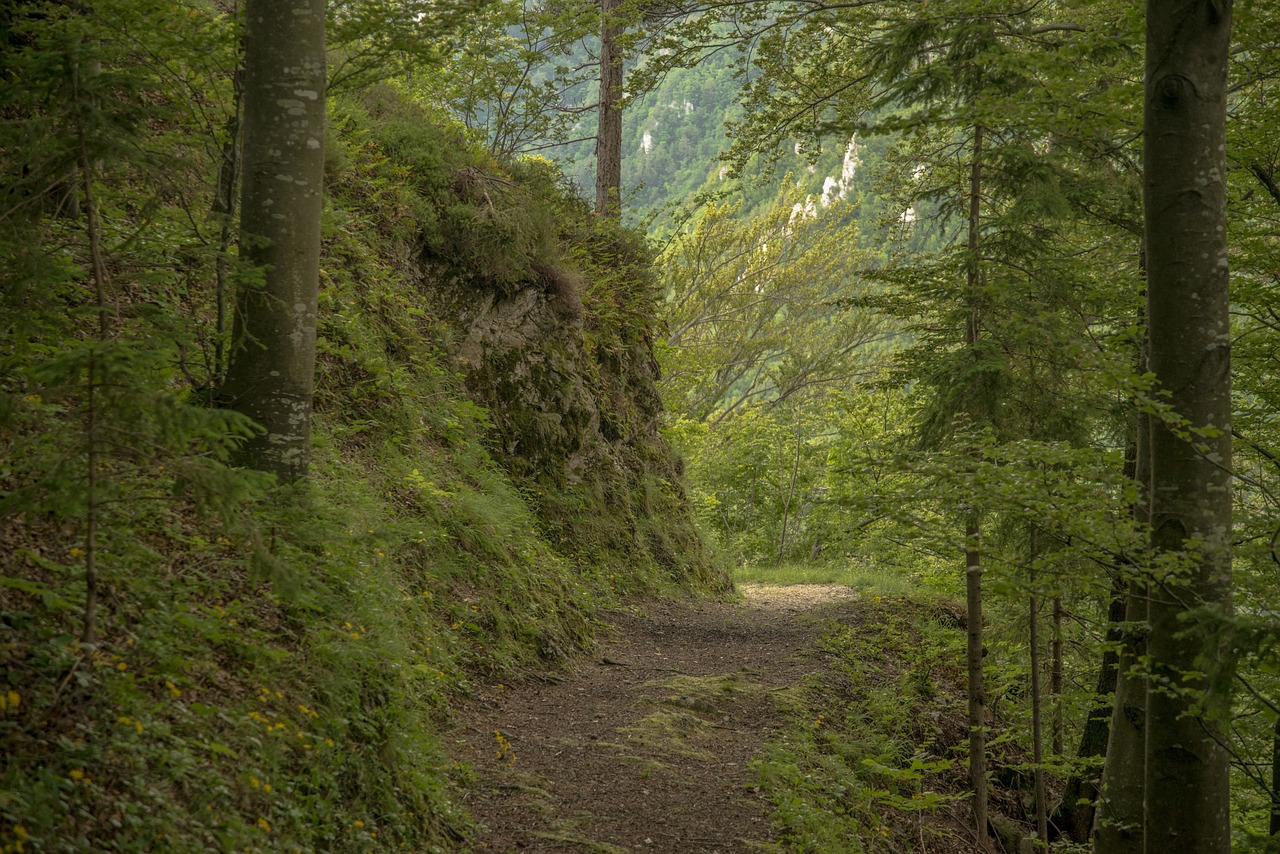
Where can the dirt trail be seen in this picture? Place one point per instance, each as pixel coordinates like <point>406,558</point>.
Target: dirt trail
<point>646,746</point>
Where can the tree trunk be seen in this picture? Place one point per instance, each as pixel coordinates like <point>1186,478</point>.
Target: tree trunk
<point>609,133</point>
<point>1275,780</point>
<point>791,491</point>
<point>973,535</point>
<point>976,688</point>
<point>271,372</point>
<point>1075,814</point>
<point>1187,804</point>
<point>1119,823</point>
<point>1037,709</point>
<point>1056,677</point>
<point>224,210</point>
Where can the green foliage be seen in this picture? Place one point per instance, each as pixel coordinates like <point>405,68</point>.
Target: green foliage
<point>873,754</point>
<point>514,72</point>
<point>272,667</point>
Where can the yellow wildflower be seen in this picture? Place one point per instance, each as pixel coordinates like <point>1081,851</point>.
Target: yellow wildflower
<point>76,774</point>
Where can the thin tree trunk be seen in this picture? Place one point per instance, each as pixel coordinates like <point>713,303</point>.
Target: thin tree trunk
<point>976,689</point>
<point>973,534</point>
<point>271,373</point>
<point>786,507</point>
<point>1075,814</point>
<point>98,267</point>
<point>1120,817</point>
<point>1275,780</point>
<point>1184,201</point>
<point>224,208</point>
<point>609,133</point>
<point>1078,808</point>
<point>1037,735</point>
<point>1055,677</point>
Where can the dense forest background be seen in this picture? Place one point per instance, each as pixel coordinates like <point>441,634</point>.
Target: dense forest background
<point>875,308</point>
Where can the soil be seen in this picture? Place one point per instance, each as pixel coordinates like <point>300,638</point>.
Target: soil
<point>646,746</point>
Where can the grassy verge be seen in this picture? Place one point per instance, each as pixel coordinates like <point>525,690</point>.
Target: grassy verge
<point>875,750</point>
<point>864,578</point>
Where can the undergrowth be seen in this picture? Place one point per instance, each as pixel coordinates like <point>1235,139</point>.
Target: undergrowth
<point>873,759</point>
<point>273,666</point>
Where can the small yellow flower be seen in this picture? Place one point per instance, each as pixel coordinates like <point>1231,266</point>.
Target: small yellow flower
<point>76,774</point>
<point>255,782</point>
<point>174,690</point>
<point>13,699</point>
<point>122,666</point>
<point>76,552</point>
<point>264,824</point>
<point>20,832</point>
<point>358,823</point>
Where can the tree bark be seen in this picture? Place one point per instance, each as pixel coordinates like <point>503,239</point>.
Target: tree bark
<point>973,534</point>
<point>1119,821</point>
<point>1037,708</point>
<point>1275,780</point>
<point>271,372</point>
<point>609,133</point>
<point>1056,677</point>
<point>1120,818</point>
<point>1187,803</point>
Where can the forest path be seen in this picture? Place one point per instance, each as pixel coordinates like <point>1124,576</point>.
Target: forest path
<point>646,746</point>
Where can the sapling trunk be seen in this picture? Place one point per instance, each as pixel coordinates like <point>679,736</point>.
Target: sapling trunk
<point>98,269</point>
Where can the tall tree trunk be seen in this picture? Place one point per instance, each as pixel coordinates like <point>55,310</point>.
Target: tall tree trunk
<point>271,372</point>
<point>973,535</point>
<point>1187,795</point>
<point>609,134</point>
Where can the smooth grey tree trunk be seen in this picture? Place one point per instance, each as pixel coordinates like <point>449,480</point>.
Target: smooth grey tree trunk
<point>1184,154</point>
<point>271,369</point>
<point>609,133</point>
